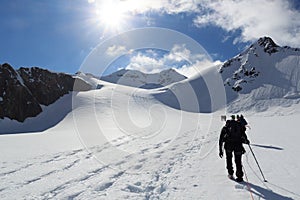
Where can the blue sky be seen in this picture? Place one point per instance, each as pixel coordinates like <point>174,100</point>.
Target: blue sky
<point>60,34</point>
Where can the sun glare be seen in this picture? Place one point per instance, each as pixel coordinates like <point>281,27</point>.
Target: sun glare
<point>111,15</point>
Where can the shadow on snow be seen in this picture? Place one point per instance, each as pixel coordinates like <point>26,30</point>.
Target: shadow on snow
<point>50,117</point>
<point>266,194</point>
<point>267,146</point>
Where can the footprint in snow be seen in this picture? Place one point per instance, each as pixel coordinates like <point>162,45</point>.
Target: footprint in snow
<point>120,163</point>
<point>134,189</point>
<point>143,160</point>
<point>138,183</point>
<point>32,181</point>
<point>118,175</point>
<point>71,165</point>
<point>104,186</point>
<point>144,150</point>
<point>157,156</point>
<point>138,167</point>
<point>167,141</point>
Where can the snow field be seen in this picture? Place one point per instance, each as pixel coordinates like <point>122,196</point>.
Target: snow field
<point>122,143</point>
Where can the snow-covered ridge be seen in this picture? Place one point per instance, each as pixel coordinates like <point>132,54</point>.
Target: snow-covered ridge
<point>264,75</point>
<point>139,79</point>
<point>264,56</point>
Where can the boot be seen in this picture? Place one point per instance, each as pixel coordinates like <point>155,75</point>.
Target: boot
<point>239,179</point>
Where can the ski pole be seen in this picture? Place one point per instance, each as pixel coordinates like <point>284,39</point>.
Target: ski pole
<point>257,163</point>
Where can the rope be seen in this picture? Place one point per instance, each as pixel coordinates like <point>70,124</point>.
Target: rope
<point>248,185</point>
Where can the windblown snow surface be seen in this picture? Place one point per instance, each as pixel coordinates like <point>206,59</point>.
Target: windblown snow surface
<point>120,142</point>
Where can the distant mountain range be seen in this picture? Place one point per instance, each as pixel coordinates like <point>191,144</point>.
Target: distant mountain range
<point>139,79</point>
<point>262,76</point>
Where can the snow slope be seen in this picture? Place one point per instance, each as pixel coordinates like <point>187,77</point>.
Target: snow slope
<point>120,142</point>
<point>203,93</point>
<point>262,77</point>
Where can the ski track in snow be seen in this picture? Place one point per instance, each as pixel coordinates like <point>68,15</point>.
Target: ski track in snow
<point>76,175</point>
<point>59,165</point>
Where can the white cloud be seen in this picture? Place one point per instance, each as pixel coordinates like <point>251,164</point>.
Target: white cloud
<point>145,63</point>
<point>198,66</point>
<point>167,6</point>
<point>179,53</point>
<point>255,18</point>
<point>142,6</point>
<point>178,58</point>
<point>151,52</point>
<point>116,50</point>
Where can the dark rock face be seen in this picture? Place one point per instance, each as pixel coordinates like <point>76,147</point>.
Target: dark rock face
<point>47,87</point>
<point>23,91</point>
<point>268,44</point>
<point>16,100</point>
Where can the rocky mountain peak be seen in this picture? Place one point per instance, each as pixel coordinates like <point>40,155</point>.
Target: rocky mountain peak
<point>262,57</point>
<point>268,45</point>
<point>16,100</point>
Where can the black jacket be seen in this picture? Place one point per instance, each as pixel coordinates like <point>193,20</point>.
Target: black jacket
<point>233,142</point>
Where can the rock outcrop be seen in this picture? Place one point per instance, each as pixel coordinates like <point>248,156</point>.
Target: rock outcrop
<point>23,91</point>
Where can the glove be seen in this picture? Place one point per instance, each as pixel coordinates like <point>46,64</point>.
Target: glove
<point>245,141</point>
<point>243,150</point>
<point>221,154</point>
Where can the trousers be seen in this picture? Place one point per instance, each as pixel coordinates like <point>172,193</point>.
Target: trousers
<point>238,162</point>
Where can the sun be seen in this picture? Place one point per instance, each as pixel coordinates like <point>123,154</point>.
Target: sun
<point>111,15</point>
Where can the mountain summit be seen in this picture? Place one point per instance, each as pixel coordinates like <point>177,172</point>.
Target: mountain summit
<point>263,62</point>
<point>268,44</point>
<point>263,76</point>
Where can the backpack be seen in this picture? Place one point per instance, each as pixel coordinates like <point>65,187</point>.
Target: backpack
<point>234,131</point>
<point>243,122</point>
